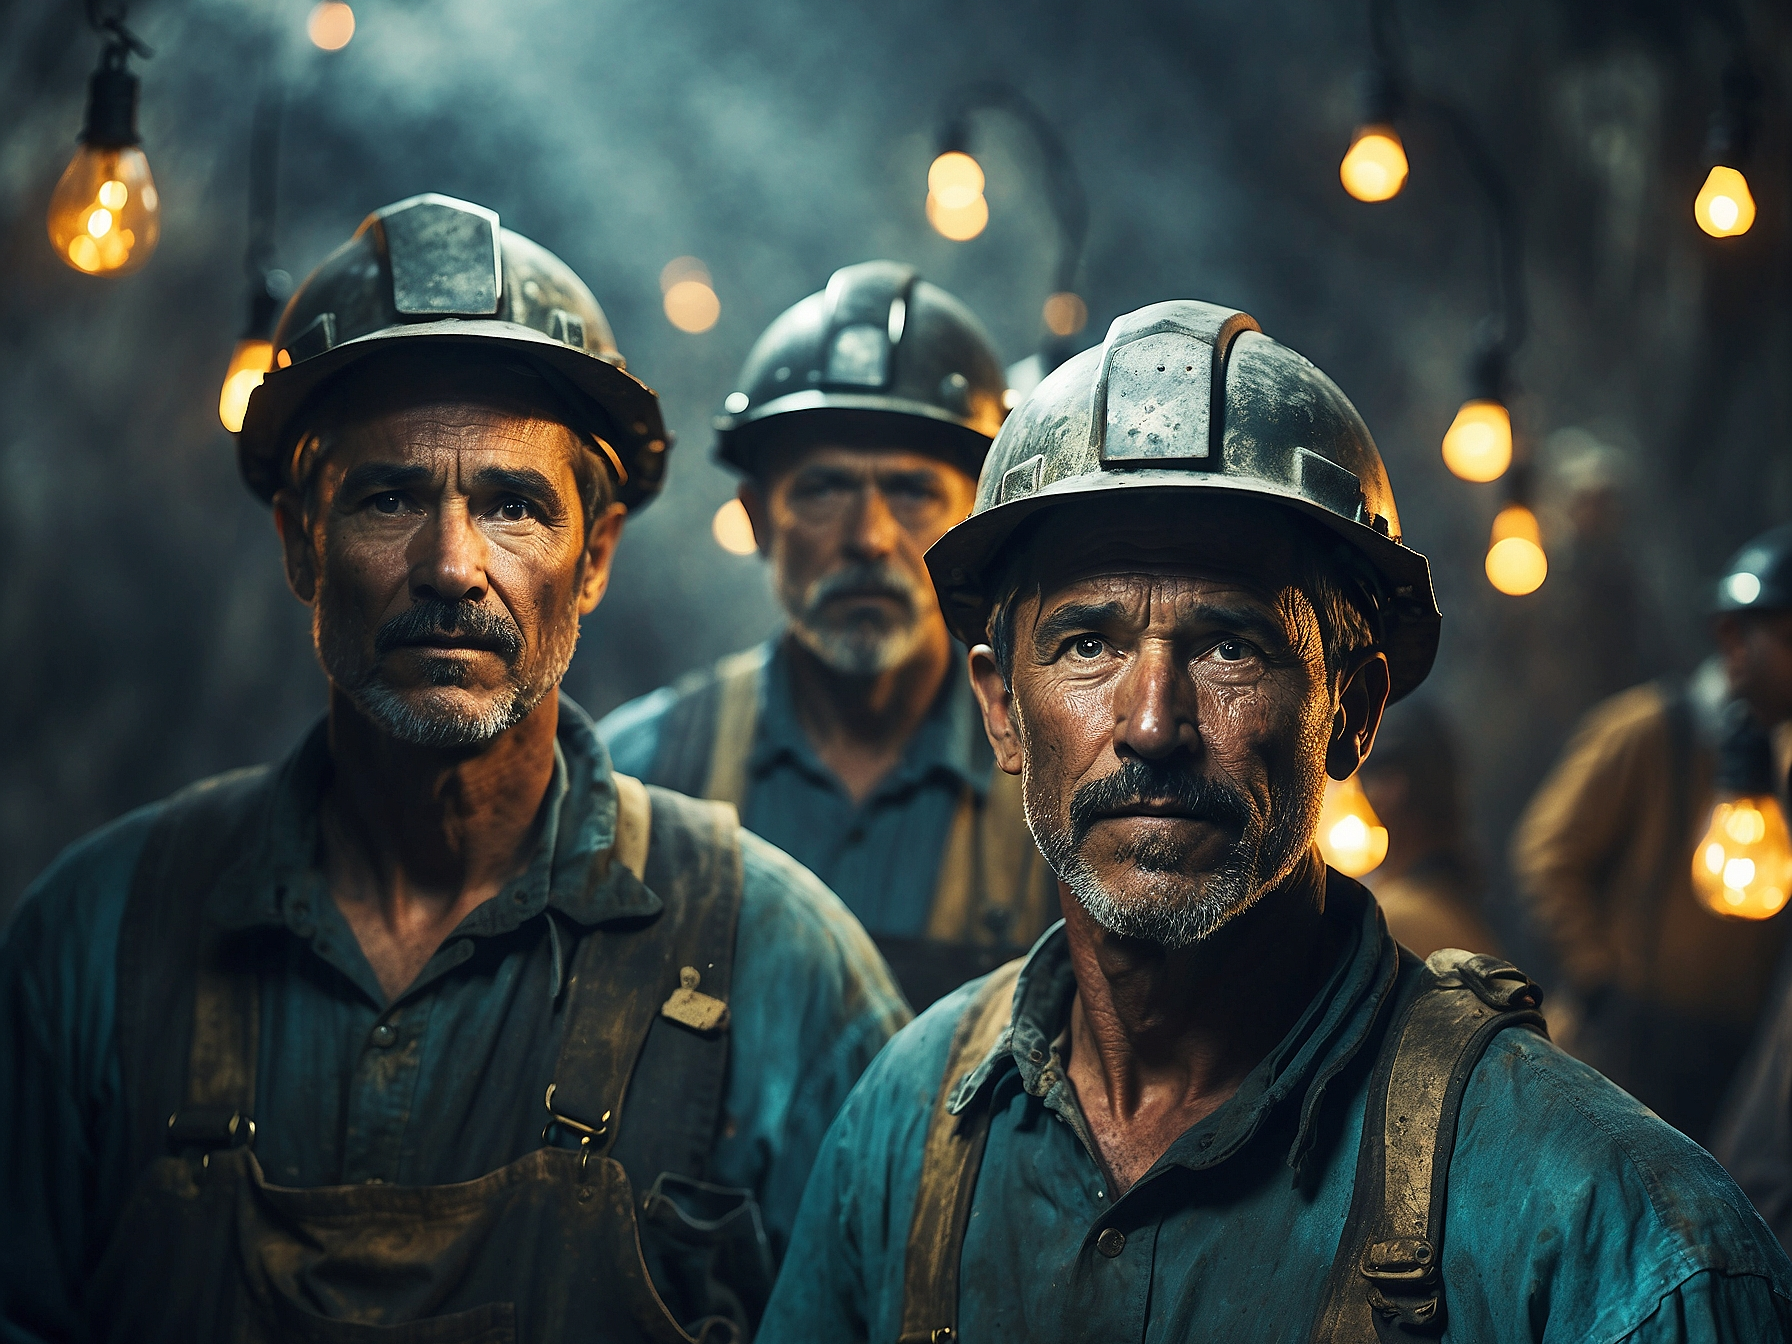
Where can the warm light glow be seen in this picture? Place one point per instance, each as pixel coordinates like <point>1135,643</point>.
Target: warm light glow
<point>1743,867</point>
<point>1516,564</point>
<point>1478,443</point>
<point>105,216</point>
<point>955,180</point>
<point>1351,837</point>
<point>1725,207</point>
<point>691,305</point>
<point>249,363</point>
<point>1065,313</point>
<point>960,223</point>
<point>734,529</point>
<point>1374,167</point>
<point>331,25</point>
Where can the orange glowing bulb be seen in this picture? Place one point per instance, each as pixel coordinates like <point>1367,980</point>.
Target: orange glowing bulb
<point>331,25</point>
<point>1374,167</point>
<point>1724,207</point>
<point>1351,837</point>
<point>733,529</point>
<point>249,364</point>
<point>1742,869</point>
<point>1478,443</point>
<point>1516,564</point>
<point>105,215</point>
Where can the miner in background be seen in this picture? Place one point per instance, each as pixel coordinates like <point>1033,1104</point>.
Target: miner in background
<point>851,739</point>
<point>440,1029</point>
<point>1667,992</point>
<point>1218,1102</point>
<point>1426,886</point>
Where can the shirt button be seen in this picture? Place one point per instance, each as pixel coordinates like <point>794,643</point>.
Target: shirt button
<point>1111,1242</point>
<point>384,1034</point>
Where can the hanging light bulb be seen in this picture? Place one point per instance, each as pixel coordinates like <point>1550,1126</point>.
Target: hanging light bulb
<point>733,529</point>
<point>249,364</point>
<point>1516,564</point>
<point>330,25</point>
<point>1478,443</point>
<point>105,214</point>
<point>1374,167</point>
<point>955,204</point>
<point>1351,837</point>
<point>1724,207</point>
<point>1742,868</point>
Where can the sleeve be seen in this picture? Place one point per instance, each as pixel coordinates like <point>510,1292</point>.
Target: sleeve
<point>632,732</point>
<point>1563,844</point>
<point>813,1003</point>
<point>61,1166</point>
<point>1715,1308</point>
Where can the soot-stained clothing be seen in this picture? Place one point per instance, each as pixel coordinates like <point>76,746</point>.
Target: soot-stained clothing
<point>1573,1213</point>
<point>442,1084</point>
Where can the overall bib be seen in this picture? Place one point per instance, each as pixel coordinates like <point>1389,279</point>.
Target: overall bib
<point>548,1248</point>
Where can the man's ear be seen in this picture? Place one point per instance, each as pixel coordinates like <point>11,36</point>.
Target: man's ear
<point>754,503</point>
<point>1362,698</point>
<point>298,555</point>
<point>997,703</point>
<point>600,554</point>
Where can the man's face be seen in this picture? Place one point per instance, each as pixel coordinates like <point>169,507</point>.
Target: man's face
<point>1757,653</point>
<point>1171,713</point>
<point>446,557</point>
<point>846,530</point>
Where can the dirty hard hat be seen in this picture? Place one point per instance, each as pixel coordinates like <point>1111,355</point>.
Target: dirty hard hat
<point>434,269</point>
<point>879,353</point>
<point>1189,396</point>
<point>1759,576</point>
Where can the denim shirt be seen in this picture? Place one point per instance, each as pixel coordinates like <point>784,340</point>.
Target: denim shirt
<point>1573,1214</point>
<point>882,855</point>
<point>443,1083</point>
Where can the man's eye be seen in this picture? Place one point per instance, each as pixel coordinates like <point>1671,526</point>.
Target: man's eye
<point>388,503</point>
<point>513,510</point>
<point>1089,646</point>
<point>1232,650</point>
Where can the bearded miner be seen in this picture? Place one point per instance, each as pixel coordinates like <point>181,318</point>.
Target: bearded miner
<point>1219,1102</point>
<point>439,1030</point>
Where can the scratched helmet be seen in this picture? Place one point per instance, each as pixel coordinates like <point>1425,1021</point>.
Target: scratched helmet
<point>435,269</point>
<point>1188,396</point>
<point>879,352</point>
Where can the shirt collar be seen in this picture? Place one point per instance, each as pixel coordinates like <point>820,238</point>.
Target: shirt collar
<point>1328,1036</point>
<point>950,740</point>
<point>272,881</point>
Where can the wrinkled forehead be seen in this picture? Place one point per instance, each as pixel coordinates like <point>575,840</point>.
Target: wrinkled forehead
<point>1243,546</point>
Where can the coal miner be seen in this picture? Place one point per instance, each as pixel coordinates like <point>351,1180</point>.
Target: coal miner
<point>440,1029</point>
<point>1219,1102</point>
<point>852,740</point>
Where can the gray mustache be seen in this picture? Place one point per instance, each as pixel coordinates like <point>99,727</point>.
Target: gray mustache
<point>882,579</point>
<point>1138,781</point>
<point>432,616</point>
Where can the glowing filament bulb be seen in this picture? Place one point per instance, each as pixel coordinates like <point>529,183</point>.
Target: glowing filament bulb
<point>1478,443</point>
<point>1351,837</point>
<point>1374,167</point>
<point>955,204</point>
<point>1516,564</point>
<point>249,363</point>
<point>105,216</point>
<point>1743,867</point>
<point>1724,207</point>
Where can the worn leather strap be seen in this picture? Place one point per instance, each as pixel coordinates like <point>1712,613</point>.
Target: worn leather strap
<point>1387,1278</point>
<point>740,678</point>
<point>949,1163</point>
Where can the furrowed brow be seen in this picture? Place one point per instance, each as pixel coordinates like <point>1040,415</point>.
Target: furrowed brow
<point>524,481</point>
<point>1071,619</point>
<point>382,476</point>
<point>1252,621</point>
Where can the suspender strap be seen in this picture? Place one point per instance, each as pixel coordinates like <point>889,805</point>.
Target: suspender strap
<point>706,735</point>
<point>1387,1281</point>
<point>636,989</point>
<point>949,1163</point>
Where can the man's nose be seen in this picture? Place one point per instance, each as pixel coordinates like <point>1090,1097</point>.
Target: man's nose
<point>872,529</point>
<point>448,556</point>
<point>1154,707</point>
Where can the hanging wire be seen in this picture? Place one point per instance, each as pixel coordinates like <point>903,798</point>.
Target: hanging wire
<point>108,20</point>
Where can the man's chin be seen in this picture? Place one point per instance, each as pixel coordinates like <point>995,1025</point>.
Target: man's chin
<point>446,717</point>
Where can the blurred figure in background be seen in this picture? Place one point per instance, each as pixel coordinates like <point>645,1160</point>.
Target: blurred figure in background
<point>1667,992</point>
<point>1427,884</point>
<point>860,422</point>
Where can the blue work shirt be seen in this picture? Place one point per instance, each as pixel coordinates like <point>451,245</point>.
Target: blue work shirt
<point>1573,1215</point>
<point>442,1084</point>
<point>882,855</point>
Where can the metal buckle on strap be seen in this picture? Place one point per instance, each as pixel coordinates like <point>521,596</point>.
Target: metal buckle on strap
<point>1402,1260</point>
<point>585,1132</point>
<point>207,1129</point>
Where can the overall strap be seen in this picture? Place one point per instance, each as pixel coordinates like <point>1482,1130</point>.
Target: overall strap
<point>994,888</point>
<point>188,1001</point>
<point>1386,1282</point>
<point>647,1014</point>
<point>707,734</point>
<point>950,1159</point>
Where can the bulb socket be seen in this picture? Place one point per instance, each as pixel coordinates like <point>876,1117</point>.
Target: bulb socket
<point>1380,96</point>
<point>111,104</point>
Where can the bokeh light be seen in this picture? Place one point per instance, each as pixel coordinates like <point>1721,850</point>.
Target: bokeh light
<point>1065,313</point>
<point>105,214</point>
<point>1725,207</point>
<point>733,529</point>
<point>1478,443</point>
<point>249,364</point>
<point>1374,167</point>
<point>331,25</point>
<point>690,297</point>
<point>1516,564</point>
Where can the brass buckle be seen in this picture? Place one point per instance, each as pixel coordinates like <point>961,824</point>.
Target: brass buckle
<point>585,1132</point>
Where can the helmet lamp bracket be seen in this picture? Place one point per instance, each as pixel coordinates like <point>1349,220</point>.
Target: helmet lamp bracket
<point>1158,399</point>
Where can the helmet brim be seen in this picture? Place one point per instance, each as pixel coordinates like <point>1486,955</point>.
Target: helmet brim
<point>962,561</point>
<point>632,407</point>
<point>856,417</point>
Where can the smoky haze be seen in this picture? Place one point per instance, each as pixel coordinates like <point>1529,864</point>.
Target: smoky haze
<point>149,639</point>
